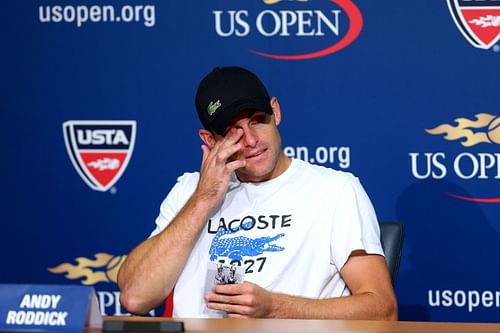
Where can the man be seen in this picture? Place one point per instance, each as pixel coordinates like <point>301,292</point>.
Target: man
<point>306,236</point>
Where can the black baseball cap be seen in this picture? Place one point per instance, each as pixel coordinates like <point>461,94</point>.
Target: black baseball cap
<point>225,92</point>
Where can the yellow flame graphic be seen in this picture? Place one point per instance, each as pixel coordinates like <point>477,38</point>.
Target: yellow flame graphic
<point>85,268</point>
<point>485,129</point>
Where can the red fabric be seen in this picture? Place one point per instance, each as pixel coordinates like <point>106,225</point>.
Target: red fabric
<point>169,305</point>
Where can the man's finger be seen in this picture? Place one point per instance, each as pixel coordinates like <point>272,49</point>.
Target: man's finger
<point>236,315</point>
<point>224,299</point>
<point>232,137</point>
<point>235,165</point>
<point>228,289</point>
<point>224,154</point>
<point>228,142</point>
<point>205,150</point>
<point>229,308</point>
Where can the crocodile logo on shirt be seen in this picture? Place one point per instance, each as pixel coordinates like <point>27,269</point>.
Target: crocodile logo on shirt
<point>237,247</point>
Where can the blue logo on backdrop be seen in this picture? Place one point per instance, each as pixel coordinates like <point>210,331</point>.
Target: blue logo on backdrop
<point>100,150</point>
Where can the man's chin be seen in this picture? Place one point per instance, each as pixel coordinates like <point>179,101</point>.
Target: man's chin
<point>252,174</point>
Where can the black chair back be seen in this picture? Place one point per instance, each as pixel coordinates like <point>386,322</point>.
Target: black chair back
<point>391,236</point>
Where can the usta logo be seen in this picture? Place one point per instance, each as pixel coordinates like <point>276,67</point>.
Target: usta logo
<point>99,150</point>
<point>477,20</point>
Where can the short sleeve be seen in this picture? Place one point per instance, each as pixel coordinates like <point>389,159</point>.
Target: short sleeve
<point>355,225</point>
<point>175,200</point>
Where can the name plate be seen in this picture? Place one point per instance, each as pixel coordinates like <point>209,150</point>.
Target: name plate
<point>48,308</point>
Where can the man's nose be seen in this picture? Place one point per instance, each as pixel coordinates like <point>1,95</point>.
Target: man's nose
<point>250,138</point>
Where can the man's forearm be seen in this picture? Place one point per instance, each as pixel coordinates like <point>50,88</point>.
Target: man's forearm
<point>361,306</point>
<point>250,300</point>
<point>151,269</point>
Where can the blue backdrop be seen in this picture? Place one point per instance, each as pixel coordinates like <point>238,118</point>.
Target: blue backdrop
<point>404,94</point>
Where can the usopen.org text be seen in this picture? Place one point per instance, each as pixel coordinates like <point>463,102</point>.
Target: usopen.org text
<point>84,14</point>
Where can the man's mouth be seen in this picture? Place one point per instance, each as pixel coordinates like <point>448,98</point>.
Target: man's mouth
<point>255,154</point>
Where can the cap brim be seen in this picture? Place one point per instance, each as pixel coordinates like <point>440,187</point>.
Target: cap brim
<point>224,116</point>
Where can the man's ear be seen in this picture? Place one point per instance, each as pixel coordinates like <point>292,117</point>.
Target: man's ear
<point>276,110</point>
<point>207,137</point>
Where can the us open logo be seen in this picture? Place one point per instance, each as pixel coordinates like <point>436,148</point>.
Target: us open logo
<point>291,30</point>
<point>100,150</point>
<point>470,165</point>
<point>477,20</point>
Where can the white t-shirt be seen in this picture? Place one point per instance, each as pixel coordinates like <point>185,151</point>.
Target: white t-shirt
<point>293,234</point>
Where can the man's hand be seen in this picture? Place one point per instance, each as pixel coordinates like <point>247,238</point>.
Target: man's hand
<point>366,275</point>
<point>217,166</point>
<point>244,300</point>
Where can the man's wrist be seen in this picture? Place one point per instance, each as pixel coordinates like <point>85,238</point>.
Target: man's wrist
<point>278,305</point>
